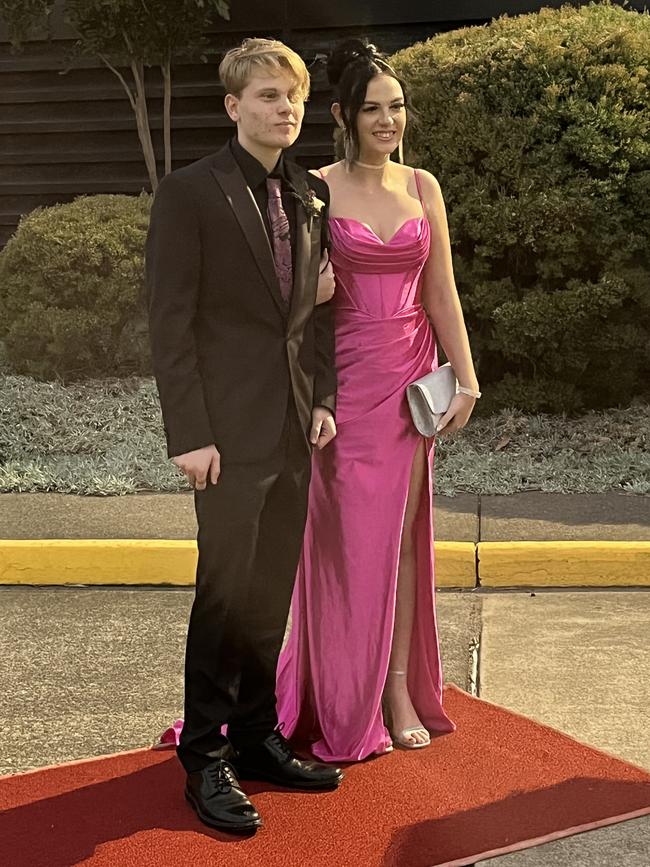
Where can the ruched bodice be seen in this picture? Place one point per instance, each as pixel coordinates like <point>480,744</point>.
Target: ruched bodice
<point>332,672</point>
<point>380,321</point>
<point>373,277</point>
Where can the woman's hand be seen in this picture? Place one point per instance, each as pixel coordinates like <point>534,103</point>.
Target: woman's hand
<point>323,427</point>
<point>326,282</point>
<point>457,415</point>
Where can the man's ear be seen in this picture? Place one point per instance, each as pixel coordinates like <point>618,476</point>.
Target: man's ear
<point>336,114</point>
<point>231,103</point>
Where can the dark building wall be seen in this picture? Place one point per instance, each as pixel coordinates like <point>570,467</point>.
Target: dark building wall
<point>70,131</point>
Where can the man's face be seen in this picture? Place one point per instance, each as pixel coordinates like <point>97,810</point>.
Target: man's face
<point>268,111</point>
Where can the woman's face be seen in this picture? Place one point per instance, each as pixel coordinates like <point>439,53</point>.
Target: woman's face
<point>381,119</point>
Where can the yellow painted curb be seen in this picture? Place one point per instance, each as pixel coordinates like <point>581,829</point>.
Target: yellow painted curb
<point>455,564</point>
<point>564,564</point>
<point>97,561</point>
<point>152,561</point>
<point>160,562</point>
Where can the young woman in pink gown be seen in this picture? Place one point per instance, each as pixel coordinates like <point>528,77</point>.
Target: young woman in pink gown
<point>361,668</point>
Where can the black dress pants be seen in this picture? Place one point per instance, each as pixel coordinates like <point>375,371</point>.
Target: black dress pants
<point>251,526</point>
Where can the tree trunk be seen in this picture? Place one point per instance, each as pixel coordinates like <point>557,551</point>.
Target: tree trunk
<point>142,121</point>
<point>138,103</point>
<point>167,113</point>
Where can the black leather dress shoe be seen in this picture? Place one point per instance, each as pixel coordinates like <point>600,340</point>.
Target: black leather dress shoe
<point>274,760</point>
<point>218,800</point>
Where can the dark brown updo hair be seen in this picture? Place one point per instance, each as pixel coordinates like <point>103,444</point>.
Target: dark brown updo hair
<point>350,67</point>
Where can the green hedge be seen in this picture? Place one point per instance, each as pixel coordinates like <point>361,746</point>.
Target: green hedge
<point>538,128</point>
<point>71,290</point>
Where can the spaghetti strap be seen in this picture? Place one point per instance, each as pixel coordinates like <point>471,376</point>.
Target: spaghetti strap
<point>417,184</point>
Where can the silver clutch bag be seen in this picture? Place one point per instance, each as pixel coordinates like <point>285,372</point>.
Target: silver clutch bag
<point>429,398</point>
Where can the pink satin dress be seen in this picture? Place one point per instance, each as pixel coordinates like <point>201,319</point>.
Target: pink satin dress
<point>332,671</point>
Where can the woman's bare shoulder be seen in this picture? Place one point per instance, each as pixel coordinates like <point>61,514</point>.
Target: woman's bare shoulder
<point>428,182</point>
<point>324,171</point>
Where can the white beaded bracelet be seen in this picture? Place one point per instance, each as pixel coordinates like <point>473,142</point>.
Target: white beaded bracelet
<point>462,390</point>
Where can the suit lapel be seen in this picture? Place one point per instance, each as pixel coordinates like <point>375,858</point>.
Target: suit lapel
<point>303,241</point>
<point>240,198</point>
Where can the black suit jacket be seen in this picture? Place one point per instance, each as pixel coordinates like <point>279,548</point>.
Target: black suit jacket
<point>227,353</point>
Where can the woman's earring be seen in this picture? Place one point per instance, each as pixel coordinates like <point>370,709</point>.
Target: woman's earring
<point>348,145</point>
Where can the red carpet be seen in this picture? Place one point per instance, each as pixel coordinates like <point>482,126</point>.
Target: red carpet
<point>499,783</point>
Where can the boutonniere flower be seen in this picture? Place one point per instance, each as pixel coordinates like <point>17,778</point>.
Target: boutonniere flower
<point>311,203</point>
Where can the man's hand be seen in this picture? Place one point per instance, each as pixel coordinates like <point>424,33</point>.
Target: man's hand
<point>200,466</point>
<point>326,281</point>
<point>323,427</point>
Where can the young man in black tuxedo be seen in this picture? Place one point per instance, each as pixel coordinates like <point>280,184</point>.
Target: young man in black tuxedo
<point>244,360</point>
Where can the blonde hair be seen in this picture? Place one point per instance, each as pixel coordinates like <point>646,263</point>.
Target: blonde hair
<point>239,64</point>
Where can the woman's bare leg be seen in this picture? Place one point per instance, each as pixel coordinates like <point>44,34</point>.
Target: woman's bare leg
<point>396,694</point>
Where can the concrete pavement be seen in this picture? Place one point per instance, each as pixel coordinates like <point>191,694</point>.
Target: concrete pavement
<point>578,661</point>
<point>528,516</point>
<point>162,516</point>
<point>85,672</point>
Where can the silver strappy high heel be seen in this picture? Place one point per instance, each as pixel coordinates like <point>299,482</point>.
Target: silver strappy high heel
<point>400,739</point>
